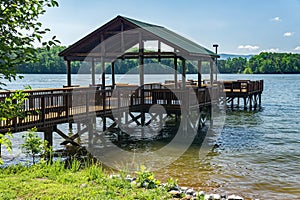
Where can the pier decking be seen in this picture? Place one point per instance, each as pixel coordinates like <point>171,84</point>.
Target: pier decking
<point>46,108</point>
<point>249,91</point>
<point>49,107</point>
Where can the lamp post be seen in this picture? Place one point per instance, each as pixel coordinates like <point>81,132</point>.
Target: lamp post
<point>216,70</point>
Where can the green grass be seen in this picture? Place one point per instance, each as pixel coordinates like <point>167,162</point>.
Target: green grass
<point>55,181</point>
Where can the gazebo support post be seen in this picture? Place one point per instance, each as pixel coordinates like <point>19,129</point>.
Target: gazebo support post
<point>183,74</point>
<point>103,90</point>
<point>141,59</point>
<point>103,73</point>
<point>141,70</point>
<point>199,73</point>
<point>175,73</point>
<point>216,70</point>
<point>113,75</point>
<point>69,81</point>
<point>93,71</point>
<point>211,72</point>
<point>185,100</point>
<point>69,84</point>
<point>159,50</point>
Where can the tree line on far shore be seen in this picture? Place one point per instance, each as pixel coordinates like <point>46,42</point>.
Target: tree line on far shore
<point>264,63</point>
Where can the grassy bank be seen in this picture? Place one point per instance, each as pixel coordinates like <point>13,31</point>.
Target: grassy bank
<point>77,181</point>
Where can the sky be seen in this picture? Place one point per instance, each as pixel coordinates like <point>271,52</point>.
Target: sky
<point>238,26</point>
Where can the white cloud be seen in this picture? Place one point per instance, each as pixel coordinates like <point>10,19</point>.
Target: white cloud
<point>297,48</point>
<point>288,34</point>
<point>248,47</point>
<point>272,50</point>
<point>276,19</point>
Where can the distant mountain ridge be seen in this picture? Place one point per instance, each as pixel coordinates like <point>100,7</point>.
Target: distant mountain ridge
<point>226,56</point>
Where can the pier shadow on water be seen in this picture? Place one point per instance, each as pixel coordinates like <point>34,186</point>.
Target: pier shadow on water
<point>189,167</point>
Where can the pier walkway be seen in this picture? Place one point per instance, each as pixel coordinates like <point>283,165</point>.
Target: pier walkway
<point>47,108</point>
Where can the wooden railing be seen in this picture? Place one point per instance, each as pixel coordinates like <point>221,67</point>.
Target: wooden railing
<point>243,86</point>
<point>48,107</point>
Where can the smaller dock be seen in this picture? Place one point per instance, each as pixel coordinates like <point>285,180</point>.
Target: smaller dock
<point>248,91</point>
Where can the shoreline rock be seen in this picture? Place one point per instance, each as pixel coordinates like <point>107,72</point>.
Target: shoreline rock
<point>186,193</point>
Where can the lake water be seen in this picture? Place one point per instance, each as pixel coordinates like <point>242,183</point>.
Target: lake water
<point>257,154</point>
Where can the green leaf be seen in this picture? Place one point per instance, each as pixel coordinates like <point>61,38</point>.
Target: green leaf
<point>19,19</point>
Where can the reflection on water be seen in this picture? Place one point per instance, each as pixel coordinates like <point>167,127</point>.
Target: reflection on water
<point>188,168</point>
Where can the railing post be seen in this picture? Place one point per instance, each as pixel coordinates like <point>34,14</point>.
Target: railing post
<point>67,105</point>
<point>87,103</point>
<point>15,119</point>
<point>248,87</point>
<point>131,96</point>
<point>142,95</point>
<point>103,99</point>
<point>43,109</point>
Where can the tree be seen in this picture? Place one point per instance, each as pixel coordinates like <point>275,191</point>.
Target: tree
<point>33,145</point>
<point>247,70</point>
<point>19,30</point>
<point>49,62</point>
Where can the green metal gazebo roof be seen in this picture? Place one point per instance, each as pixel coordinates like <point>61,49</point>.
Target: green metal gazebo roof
<point>173,37</point>
<point>182,46</point>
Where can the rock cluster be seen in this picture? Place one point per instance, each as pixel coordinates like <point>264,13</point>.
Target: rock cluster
<point>186,193</point>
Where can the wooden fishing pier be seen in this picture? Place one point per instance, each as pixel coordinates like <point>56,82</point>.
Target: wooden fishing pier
<point>46,108</point>
<point>248,91</point>
<point>126,104</point>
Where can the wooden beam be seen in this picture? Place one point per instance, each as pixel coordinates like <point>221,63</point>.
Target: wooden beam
<point>114,55</point>
<point>80,132</point>
<point>159,51</point>
<point>113,74</point>
<point>175,73</point>
<point>211,72</point>
<point>118,54</point>
<point>141,59</point>
<point>48,136</point>
<point>103,73</point>
<point>112,32</point>
<point>122,38</point>
<point>199,73</point>
<point>69,81</point>
<point>103,67</point>
<point>183,74</point>
<point>216,69</point>
<point>93,72</point>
